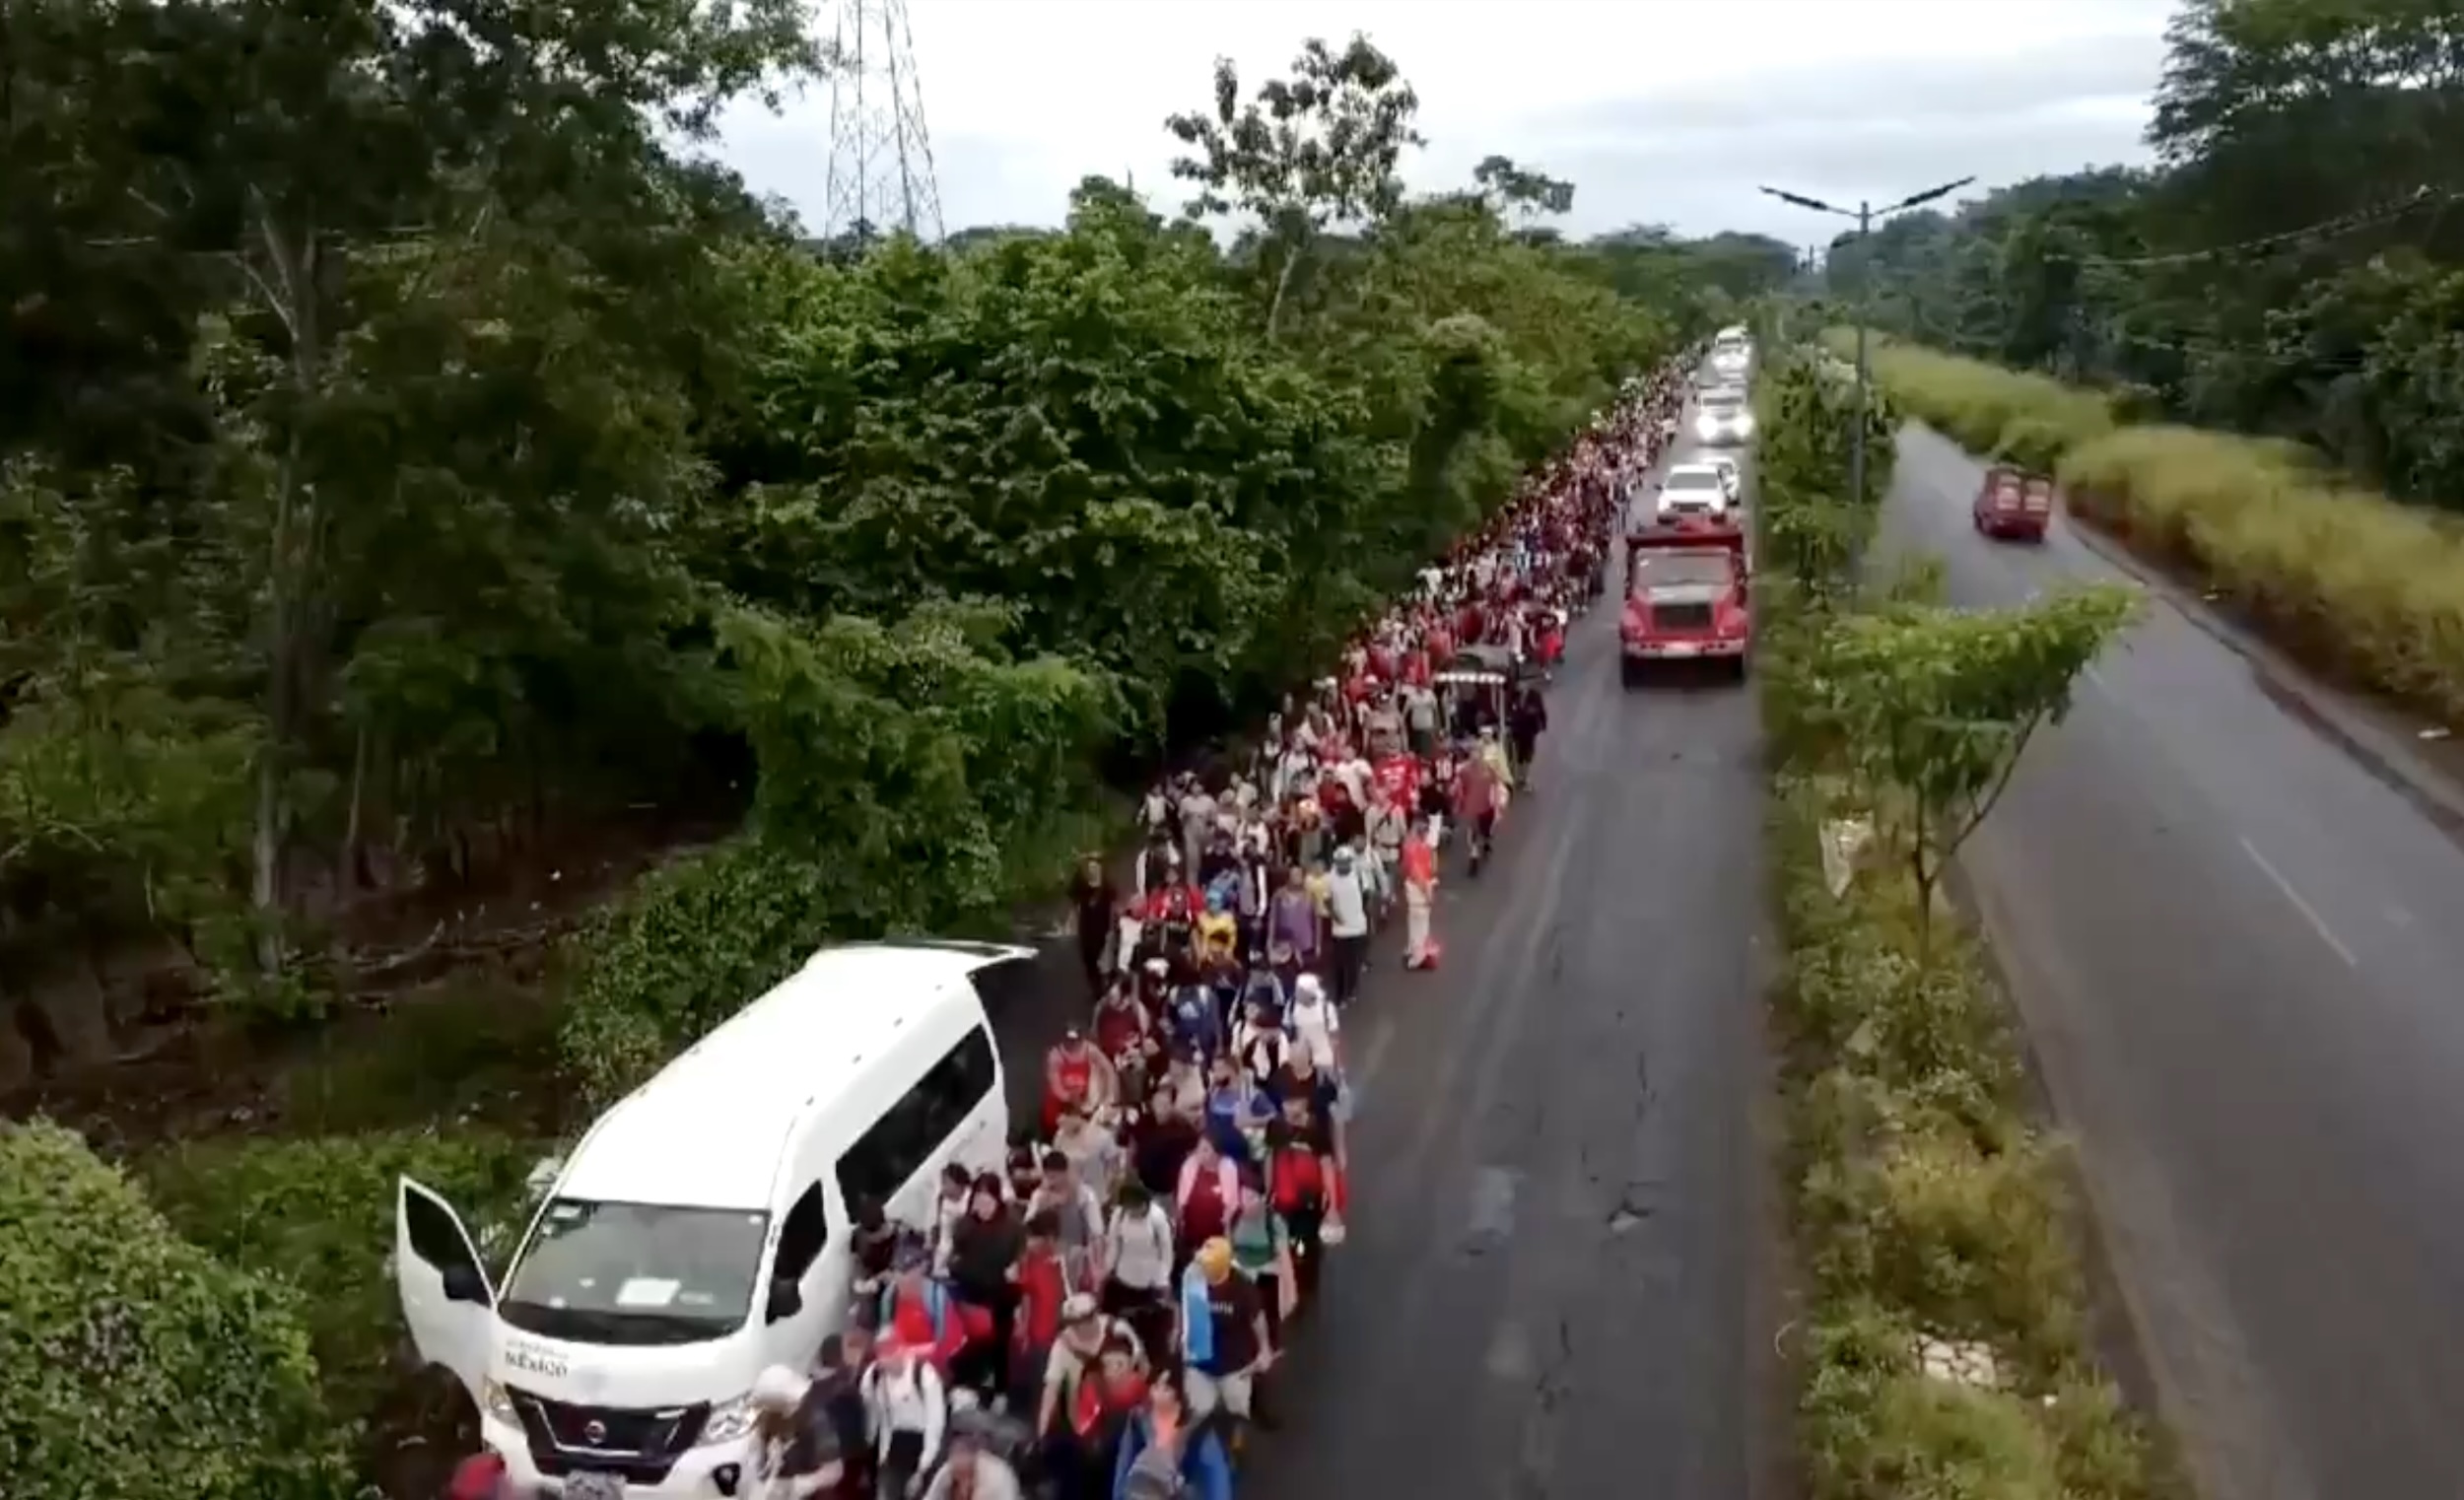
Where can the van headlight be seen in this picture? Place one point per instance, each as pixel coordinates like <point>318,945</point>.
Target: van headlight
<point>498,1402</point>
<point>1744,426</point>
<point>728,1422</point>
<point>1705,428</point>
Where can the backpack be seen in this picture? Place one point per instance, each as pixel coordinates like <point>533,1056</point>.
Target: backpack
<point>1154,1475</point>
<point>1298,1180</point>
<point>936,1307</point>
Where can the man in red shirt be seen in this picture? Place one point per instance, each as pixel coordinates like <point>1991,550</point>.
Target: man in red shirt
<point>1042,1278</point>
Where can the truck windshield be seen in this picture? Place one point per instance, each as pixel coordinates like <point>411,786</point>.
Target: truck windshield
<point>635,1273</point>
<point>1678,570</point>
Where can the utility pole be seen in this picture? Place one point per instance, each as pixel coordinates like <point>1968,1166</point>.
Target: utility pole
<point>880,157</point>
<point>1865,213</point>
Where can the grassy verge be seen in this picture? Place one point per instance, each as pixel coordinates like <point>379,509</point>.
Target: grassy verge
<point>1932,1215</point>
<point>2349,581</point>
<point>1944,1341</point>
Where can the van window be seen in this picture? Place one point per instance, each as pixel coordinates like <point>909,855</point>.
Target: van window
<point>801,1236</point>
<point>907,1134</point>
<point>635,1273</point>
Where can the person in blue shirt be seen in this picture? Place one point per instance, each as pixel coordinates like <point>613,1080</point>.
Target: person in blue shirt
<point>1164,1451</point>
<point>1230,1108</point>
<point>1192,1021</point>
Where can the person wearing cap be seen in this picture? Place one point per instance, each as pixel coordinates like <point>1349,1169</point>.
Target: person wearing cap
<point>1224,1344</point>
<point>1088,1377</point>
<point>1315,1027</point>
<point>909,1411</point>
<point>796,1451</point>
<point>1075,1072</point>
<point>1348,900</point>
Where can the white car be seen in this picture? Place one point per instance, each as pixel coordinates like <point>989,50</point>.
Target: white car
<point>1723,421</point>
<point>1692,491</point>
<point>1728,474</point>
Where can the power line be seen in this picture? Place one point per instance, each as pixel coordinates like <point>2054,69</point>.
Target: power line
<point>2326,229</point>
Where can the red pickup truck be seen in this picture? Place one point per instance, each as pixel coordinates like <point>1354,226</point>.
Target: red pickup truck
<point>2013,504</point>
<point>1687,598</point>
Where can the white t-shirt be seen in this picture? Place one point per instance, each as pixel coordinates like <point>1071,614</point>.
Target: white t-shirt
<point>1315,1026</point>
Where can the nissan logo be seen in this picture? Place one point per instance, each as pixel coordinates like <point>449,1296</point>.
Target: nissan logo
<point>594,1432</point>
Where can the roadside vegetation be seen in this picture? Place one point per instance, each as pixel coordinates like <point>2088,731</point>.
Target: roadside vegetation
<point>2366,589</point>
<point>487,595</point>
<point>2241,360</point>
<point>1943,1335</point>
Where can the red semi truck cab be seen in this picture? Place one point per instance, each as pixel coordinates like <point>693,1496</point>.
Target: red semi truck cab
<point>1686,599</point>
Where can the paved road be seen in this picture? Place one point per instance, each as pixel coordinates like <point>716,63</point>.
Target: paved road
<point>2240,958</point>
<point>1556,1278</point>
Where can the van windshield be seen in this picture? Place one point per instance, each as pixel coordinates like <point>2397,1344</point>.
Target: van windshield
<point>636,1274</point>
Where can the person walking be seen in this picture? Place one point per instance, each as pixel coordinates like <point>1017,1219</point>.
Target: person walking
<point>1420,870</point>
<point>1348,924</point>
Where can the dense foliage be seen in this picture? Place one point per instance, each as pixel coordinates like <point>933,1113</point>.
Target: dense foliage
<point>1931,1215</point>
<point>2292,267</point>
<point>411,464</point>
<point>134,1364</point>
<point>414,464</point>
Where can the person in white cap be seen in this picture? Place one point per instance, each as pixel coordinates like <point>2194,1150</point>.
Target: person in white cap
<point>796,1445</point>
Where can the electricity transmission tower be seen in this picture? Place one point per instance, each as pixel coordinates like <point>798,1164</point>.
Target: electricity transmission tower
<point>880,159</point>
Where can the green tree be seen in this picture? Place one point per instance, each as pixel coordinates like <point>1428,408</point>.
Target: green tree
<point>1302,154</point>
<point>1929,710</point>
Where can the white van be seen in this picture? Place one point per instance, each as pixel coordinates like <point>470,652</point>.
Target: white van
<point>701,1231</point>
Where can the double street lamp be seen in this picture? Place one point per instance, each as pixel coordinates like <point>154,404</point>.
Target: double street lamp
<point>1865,213</point>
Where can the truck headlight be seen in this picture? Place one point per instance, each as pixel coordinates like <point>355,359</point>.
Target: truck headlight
<point>499,1401</point>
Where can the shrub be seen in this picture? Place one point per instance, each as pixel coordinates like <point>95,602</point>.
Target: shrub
<point>1987,409</point>
<point>135,1364</point>
<point>317,1216</point>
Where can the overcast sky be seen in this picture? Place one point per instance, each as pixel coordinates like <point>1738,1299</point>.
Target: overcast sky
<point>1659,110</point>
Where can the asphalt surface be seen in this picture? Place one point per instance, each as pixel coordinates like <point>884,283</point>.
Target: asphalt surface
<point>2240,955</point>
<point>1557,1279</point>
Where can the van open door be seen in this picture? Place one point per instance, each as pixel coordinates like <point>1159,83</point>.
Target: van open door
<point>446,1301</point>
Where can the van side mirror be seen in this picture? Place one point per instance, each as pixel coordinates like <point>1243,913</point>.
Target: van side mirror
<point>786,1300</point>
<point>463,1283</point>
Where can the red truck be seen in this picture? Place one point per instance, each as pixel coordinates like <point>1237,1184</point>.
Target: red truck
<point>2012,504</point>
<point>1687,598</point>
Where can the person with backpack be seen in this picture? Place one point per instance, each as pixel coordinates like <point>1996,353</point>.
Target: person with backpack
<point>1261,1250</point>
<point>917,1310</point>
<point>1138,1261</point>
<point>910,1410</point>
<point>1168,1453</point>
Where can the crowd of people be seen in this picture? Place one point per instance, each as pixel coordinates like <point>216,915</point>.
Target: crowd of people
<point>1102,1320</point>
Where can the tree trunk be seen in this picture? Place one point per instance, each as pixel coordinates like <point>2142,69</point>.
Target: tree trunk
<point>1282,286</point>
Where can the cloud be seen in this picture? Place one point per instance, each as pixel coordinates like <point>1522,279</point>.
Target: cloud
<point>1659,110</point>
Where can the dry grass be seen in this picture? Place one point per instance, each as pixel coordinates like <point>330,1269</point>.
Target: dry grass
<point>2343,576</point>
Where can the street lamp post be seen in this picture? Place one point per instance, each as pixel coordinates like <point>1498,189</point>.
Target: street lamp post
<point>1865,213</point>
